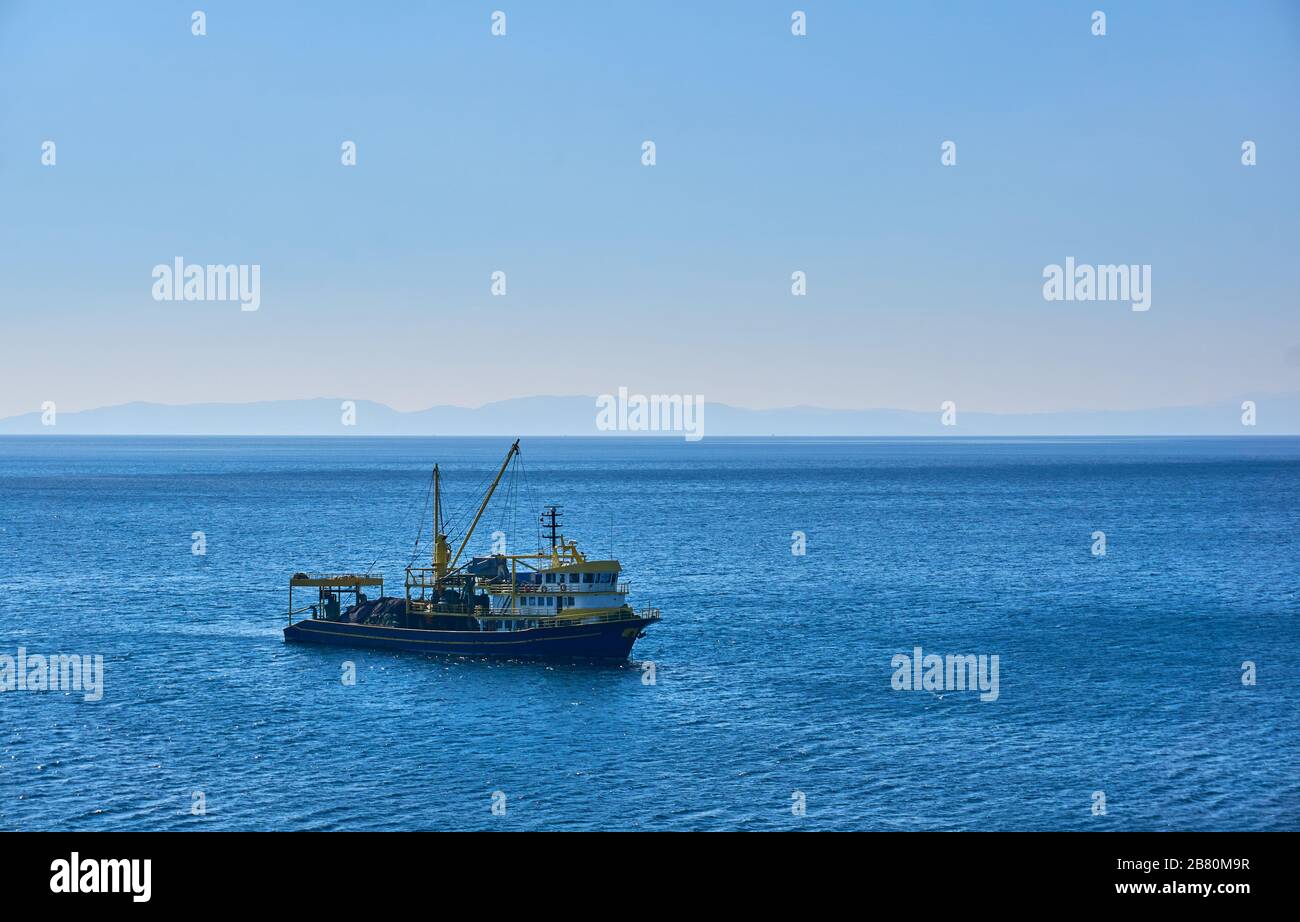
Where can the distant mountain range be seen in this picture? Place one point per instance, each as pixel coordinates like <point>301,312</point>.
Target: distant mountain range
<point>576,416</point>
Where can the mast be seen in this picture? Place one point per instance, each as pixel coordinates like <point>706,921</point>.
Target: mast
<point>514,449</point>
<point>551,524</point>
<point>440,549</point>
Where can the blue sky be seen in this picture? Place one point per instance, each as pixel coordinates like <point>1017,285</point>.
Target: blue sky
<point>775,153</point>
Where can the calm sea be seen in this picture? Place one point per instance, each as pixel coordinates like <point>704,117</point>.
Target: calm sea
<point>1120,676</point>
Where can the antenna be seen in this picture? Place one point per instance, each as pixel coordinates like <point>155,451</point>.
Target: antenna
<point>551,524</point>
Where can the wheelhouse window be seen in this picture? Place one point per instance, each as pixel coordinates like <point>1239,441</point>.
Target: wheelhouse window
<point>588,577</point>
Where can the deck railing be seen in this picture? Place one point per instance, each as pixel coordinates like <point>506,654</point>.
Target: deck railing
<point>575,616</point>
<point>650,613</point>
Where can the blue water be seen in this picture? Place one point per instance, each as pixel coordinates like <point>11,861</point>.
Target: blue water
<point>1120,674</point>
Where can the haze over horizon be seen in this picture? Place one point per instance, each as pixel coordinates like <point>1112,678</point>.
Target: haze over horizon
<point>582,416</point>
<point>775,153</point>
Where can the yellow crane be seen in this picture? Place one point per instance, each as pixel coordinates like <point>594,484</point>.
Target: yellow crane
<point>441,549</point>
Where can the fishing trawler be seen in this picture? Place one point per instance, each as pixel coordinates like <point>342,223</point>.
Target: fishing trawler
<point>554,603</point>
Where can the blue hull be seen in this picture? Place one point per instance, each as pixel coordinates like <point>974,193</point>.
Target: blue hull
<point>609,640</point>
